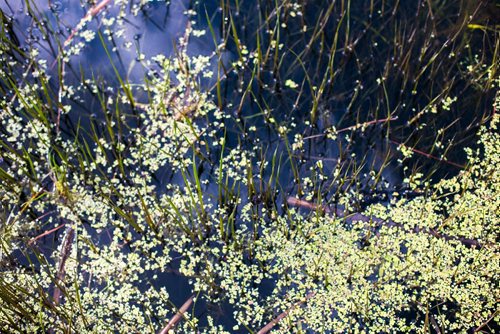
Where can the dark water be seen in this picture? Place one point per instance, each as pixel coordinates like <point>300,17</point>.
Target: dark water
<point>389,40</point>
<point>373,60</point>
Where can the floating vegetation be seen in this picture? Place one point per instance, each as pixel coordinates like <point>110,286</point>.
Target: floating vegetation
<point>249,166</point>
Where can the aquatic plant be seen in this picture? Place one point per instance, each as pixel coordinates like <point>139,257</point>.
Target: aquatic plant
<point>111,189</point>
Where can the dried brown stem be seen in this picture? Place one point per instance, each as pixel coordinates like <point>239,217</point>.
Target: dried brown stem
<point>283,315</point>
<point>178,316</point>
<point>430,156</point>
<point>61,270</point>
<point>484,324</point>
<point>91,13</point>
<point>355,127</point>
<point>340,212</point>
<point>45,233</point>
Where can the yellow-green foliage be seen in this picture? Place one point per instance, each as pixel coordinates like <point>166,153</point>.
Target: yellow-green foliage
<point>370,280</point>
<point>329,275</point>
<point>420,265</point>
<point>397,276</point>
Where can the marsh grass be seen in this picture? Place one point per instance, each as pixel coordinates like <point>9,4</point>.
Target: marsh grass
<point>304,174</point>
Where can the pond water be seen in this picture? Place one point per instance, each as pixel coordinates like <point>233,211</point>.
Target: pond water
<point>363,58</point>
<point>282,70</point>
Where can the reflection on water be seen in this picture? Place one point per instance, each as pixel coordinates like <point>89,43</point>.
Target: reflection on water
<point>153,31</point>
<point>370,82</point>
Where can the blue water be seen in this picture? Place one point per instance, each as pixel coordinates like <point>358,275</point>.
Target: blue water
<point>353,97</point>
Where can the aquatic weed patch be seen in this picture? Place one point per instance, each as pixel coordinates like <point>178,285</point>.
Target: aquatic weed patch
<point>277,166</point>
